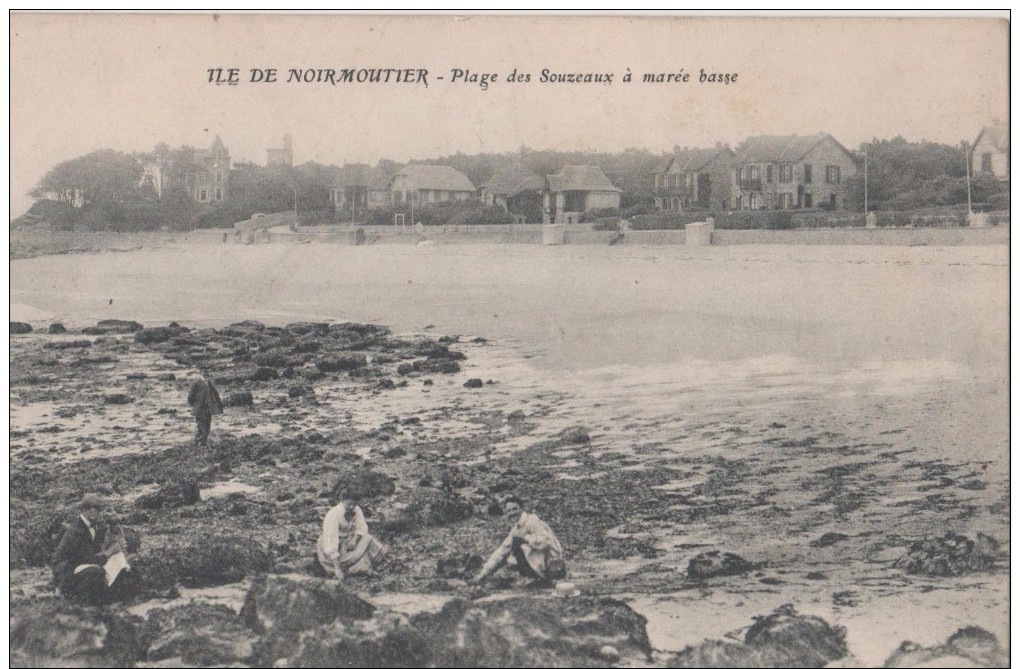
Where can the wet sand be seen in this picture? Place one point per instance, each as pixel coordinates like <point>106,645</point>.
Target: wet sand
<point>757,397</point>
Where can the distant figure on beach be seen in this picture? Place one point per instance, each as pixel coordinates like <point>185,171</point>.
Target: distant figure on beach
<point>535,549</point>
<point>205,403</point>
<point>89,564</point>
<point>345,545</point>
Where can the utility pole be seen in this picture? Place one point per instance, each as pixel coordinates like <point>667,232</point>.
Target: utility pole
<point>865,183</point>
<point>966,155</point>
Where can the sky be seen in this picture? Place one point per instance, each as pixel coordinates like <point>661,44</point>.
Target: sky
<point>126,82</point>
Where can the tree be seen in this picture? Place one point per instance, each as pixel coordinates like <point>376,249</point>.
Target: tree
<point>103,177</point>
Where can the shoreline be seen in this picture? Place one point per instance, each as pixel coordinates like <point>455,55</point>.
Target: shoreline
<point>758,445</point>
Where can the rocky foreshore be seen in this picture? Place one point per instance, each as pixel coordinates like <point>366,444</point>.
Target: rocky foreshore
<point>245,513</point>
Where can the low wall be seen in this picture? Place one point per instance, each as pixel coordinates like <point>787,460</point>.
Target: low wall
<point>866,236</point>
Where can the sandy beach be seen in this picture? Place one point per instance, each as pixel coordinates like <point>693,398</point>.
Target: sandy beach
<point>815,410</point>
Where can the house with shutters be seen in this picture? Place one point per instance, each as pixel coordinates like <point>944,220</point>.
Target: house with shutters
<point>990,154</point>
<point>791,172</point>
<point>208,174</point>
<point>694,179</point>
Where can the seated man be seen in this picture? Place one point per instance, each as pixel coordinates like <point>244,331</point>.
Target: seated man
<point>345,545</point>
<point>534,547</point>
<point>88,565</point>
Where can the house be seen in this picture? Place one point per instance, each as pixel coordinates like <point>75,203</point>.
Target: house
<point>283,156</point>
<point>424,184</point>
<point>694,179</point>
<point>359,187</point>
<point>517,189</point>
<point>990,154</point>
<point>576,189</point>
<point>208,174</point>
<point>791,172</point>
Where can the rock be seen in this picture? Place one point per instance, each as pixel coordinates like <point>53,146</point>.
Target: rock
<point>113,326</point>
<point>343,363</point>
<point>264,374</point>
<point>247,326</point>
<point>404,368</point>
<point>271,359</point>
<point>303,328</point>
<point>473,383</point>
<point>18,328</point>
<point>56,328</point>
<point>828,539</point>
<point>362,483</point>
<point>463,566</point>
<point>204,560</point>
<point>784,638</point>
<point>435,366</point>
<point>951,555</point>
<point>58,633</point>
<point>166,377</point>
<point>540,632</point>
<point>62,345</point>
<point>516,415</point>
<point>386,640</point>
<point>198,634</point>
<point>288,373</point>
<point>575,435</point>
<point>395,452</point>
<point>305,347</point>
<point>428,507</point>
<point>300,391</point>
<point>239,399</point>
<point>177,493</point>
<point>117,398</point>
<point>479,340</point>
<point>278,603</point>
<point>969,646</point>
<point>156,335</point>
<point>279,609</point>
<point>713,563</point>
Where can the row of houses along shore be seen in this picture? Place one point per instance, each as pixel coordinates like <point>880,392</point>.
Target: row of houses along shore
<point>766,172</point>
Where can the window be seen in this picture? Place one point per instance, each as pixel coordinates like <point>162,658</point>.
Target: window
<point>832,174</point>
<point>768,174</point>
<point>785,174</point>
<point>219,177</point>
<point>203,195</point>
<point>786,200</point>
<point>752,172</point>
<point>986,162</point>
<point>219,193</point>
<point>753,200</point>
<point>807,201</point>
<point>738,202</point>
<point>807,174</point>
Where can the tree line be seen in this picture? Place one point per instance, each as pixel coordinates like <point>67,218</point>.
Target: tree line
<point>110,190</point>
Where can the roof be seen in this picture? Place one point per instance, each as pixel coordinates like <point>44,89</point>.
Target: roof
<point>580,177</point>
<point>513,180</point>
<point>691,160</point>
<point>781,148</point>
<point>998,134</point>
<point>436,177</point>
<point>361,175</point>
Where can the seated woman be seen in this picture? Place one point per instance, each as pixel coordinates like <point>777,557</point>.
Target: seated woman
<point>345,545</point>
<point>89,565</point>
<point>535,549</point>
